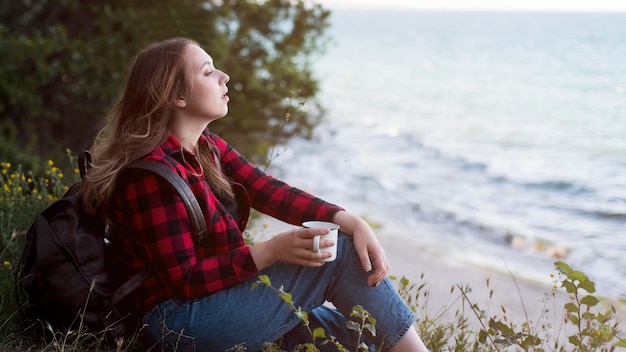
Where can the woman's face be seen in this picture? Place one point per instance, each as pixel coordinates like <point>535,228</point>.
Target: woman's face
<point>208,100</point>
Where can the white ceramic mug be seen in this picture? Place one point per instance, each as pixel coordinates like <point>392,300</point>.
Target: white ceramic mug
<point>332,235</point>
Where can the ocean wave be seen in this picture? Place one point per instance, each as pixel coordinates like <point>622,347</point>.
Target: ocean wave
<point>483,234</point>
<point>571,187</point>
<point>604,214</point>
<point>483,170</point>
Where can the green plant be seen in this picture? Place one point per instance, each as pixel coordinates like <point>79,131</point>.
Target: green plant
<point>594,330</point>
<point>63,63</point>
<point>364,322</point>
<point>22,196</point>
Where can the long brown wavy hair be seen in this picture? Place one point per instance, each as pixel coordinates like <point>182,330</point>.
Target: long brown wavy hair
<point>142,120</point>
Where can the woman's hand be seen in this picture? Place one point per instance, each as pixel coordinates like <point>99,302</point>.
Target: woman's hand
<point>366,245</point>
<point>295,247</point>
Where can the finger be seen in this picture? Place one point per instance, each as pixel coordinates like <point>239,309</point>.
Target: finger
<point>313,263</point>
<point>310,232</point>
<point>381,264</point>
<point>376,277</point>
<point>308,258</point>
<point>365,260</point>
<point>309,244</point>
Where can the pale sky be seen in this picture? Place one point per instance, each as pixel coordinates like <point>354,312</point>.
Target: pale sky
<point>504,5</point>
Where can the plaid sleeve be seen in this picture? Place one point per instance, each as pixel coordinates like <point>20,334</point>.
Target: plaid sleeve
<point>158,219</point>
<point>270,195</point>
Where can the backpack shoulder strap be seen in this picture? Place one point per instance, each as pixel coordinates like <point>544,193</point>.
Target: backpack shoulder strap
<point>191,203</point>
<point>193,210</point>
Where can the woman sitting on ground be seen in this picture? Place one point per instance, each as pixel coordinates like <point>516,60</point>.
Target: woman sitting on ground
<point>198,296</point>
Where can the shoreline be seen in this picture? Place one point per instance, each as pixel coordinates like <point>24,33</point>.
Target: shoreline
<point>523,300</point>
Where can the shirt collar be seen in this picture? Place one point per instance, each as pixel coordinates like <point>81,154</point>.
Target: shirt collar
<point>174,149</point>
<point>172,145</point>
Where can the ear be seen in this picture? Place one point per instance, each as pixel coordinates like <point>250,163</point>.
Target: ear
<point>180,102</point>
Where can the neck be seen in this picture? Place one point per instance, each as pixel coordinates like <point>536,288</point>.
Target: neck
<point>188,136</point>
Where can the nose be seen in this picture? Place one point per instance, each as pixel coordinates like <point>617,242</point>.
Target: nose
<point>225,78</point>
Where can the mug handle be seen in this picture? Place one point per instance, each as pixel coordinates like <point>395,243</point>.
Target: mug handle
<point>316,244</point>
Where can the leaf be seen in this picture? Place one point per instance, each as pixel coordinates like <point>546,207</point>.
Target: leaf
<point>505,329</point>
<point>359,312</point>
<point>319,332</point>
<point>304,316</point>
<point>286,297</point>
<point>571,307</point>
<point>569,286</point>
<point>352,325</point>
<point>588,286</point>
<point>482,336</point>
<point>563,268</point>
<point>578,275</point>
<point>532,341</point>
<point>404,282</point>
<point>589,300</point>
<point>265,279</point>
<point>372,320</point>
<point>588,316</point>
<point>574,341</point>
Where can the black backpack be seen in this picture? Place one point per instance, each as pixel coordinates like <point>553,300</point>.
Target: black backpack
<point>64,275</point>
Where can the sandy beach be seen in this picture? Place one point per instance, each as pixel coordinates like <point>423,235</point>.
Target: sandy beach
<point>524,300</point>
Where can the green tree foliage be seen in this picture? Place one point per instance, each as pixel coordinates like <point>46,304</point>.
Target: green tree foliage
<point>63,63</point>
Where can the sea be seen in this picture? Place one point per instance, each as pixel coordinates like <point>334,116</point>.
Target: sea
<point>493,139</point>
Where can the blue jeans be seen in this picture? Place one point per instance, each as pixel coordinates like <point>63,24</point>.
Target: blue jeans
<point>239,316</point>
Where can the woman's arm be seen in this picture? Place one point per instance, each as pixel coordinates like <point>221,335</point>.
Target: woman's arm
<point>366,245</point>
<point>270,195</point>
<point>293,247</point>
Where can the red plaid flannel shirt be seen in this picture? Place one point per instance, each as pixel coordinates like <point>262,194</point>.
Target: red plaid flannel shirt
<point>151,228</point>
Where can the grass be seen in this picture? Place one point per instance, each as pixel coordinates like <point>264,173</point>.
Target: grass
<point>588,325</point>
